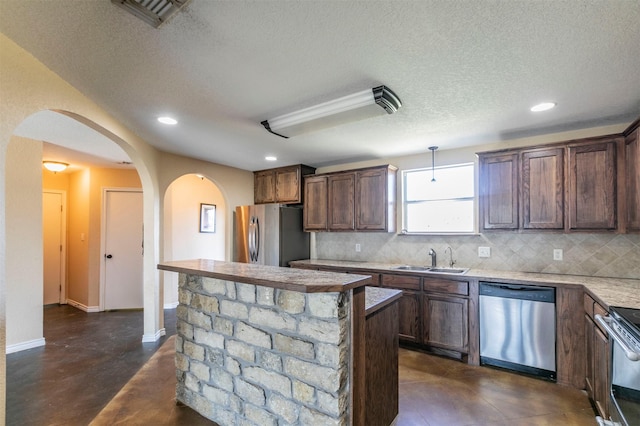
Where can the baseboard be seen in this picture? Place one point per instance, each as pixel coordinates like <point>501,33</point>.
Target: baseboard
<point>89,309</point>
<point>172,305</point>
<point>150,338</point>
<point>25,345</point>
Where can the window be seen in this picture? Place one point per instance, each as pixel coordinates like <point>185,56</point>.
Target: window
<point>443,206</point>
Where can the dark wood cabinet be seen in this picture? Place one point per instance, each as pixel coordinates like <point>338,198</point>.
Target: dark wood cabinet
<point>632,179</point>
<point>570,186</point>
<point>597,354</point>
<point>341,190</point>
<point>355,200</point>
<point>445,314</point>
<point>543,189</point>
<point>281,185</point>
<point>409,306</point>
<point>375,205</point>
<point>314,213</point>
<point>592,186</point>
<point>445,322</point>
<point>499,178</point>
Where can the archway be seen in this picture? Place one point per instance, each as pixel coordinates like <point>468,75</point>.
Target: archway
<point>184,234</point>
<point>27,192</point>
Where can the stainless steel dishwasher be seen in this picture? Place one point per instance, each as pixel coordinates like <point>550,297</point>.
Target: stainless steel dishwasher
<point>518,328</point>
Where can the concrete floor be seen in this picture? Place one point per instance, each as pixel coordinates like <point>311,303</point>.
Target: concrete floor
<point>95,370</point>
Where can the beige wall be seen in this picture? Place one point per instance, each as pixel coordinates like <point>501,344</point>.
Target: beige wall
<point>78,207</point>
<point>182,237</point>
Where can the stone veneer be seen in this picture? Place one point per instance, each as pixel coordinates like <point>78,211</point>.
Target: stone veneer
<point>254,355</point>
<point>591,254</point>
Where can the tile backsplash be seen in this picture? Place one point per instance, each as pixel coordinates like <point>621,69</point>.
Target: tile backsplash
<point>591,254</point>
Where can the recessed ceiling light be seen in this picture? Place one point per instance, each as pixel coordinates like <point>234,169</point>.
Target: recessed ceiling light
<point>270,158</point>
<point>544,106</point>
<point>167,120</point>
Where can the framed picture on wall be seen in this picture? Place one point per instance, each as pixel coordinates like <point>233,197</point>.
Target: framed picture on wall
<point>207,217</point>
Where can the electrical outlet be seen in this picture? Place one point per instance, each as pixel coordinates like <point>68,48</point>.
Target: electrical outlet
<point>358,248</point>
<point>557,254</point>
<point>484,251</point>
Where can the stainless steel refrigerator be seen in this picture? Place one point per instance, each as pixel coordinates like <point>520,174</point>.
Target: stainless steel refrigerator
<point>269,234</point>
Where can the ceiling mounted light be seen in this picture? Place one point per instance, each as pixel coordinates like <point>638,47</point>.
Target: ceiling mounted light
<point>168,120</point>
<point>544,106</point>
<point>271,158</point>
<point>54,166</point>
<point>360,105</point>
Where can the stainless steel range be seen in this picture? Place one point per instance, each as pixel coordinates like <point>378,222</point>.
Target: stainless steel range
<point>623,326</point>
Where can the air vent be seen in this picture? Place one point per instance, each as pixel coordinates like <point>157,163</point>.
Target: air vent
<point>153,12</point>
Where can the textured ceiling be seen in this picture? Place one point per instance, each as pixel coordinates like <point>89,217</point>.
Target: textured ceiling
<point>466,71</point>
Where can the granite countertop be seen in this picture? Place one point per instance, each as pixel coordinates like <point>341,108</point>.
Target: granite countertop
<point>607,291</point>
<point>377,298</point>
<point>292,279</point>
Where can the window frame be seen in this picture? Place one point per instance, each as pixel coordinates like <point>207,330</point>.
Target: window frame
<point>473,198</point>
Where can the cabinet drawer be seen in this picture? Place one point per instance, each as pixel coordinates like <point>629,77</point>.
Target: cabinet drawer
<point>438,285</point>
<point>401,281</point>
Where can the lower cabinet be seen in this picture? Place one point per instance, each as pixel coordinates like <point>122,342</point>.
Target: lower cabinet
<point>445,322</point>
<point>598,352</point>
<point>409,317</point>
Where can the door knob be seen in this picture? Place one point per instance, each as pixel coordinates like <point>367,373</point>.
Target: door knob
<point>108,256</point>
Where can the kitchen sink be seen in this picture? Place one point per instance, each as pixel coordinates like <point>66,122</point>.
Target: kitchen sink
<point>456,271</point>
<point>448,270</point>
<point>412,268</point>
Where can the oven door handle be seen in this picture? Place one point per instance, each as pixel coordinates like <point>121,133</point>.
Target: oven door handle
<point>628,351</point>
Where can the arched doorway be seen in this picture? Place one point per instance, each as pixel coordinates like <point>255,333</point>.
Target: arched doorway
<point>87,185</point>
<point>185,236</point>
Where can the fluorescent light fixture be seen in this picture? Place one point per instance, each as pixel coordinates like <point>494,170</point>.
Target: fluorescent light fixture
<point>544,106</point>
<point>168,120</point>
<point>354,107</point>
<point>54,166</point>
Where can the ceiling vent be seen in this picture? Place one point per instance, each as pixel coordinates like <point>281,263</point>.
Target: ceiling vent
<point>153,12</point>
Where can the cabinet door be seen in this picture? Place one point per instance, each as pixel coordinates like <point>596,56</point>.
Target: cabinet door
<point>632,184</point>
<point>592,186</point>
<point>371,200</point>
<point>543,189</point>
<point>601,351</point>
<point>499,191</point>
<point>341,202</point>
<point>287,184</point>
<point>314,212</point>
<point>445,322</point>
<point>409,317</point>
<point>264,187</point>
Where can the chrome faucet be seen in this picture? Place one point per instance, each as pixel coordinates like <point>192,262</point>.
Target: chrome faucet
<point>432,253</point>
<point>451,261</point>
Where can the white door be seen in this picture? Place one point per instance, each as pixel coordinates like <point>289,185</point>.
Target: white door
<point>52,241</point>
<point>123,250</point>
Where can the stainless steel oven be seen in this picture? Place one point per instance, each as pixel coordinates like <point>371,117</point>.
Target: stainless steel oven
<point>623,327</point>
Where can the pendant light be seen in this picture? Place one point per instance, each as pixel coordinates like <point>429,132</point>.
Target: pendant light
<point>433,162</point>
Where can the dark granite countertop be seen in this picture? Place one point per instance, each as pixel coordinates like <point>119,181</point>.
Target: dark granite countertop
<point>608,291</point>
<point>377,298</point>
<point>293,279</point>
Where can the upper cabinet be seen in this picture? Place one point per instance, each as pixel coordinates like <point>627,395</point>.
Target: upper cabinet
<point>351,200</point>
<point>569,186</point>
<point>632,176</point>
<point>281,185</point>
<point>499,176</point>
<point>592,186</point>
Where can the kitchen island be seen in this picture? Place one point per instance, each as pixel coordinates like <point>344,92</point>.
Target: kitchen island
<point>278,345</point>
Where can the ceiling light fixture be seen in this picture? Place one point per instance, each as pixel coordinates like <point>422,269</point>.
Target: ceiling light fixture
<point>357,106</point>
<point>433,162</point>
<point>544,106</point>
<point>168,120</point>
<point>270,158</point>
<point>54,166</point>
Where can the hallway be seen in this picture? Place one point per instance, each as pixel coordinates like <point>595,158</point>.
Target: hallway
<point>91,361</point>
